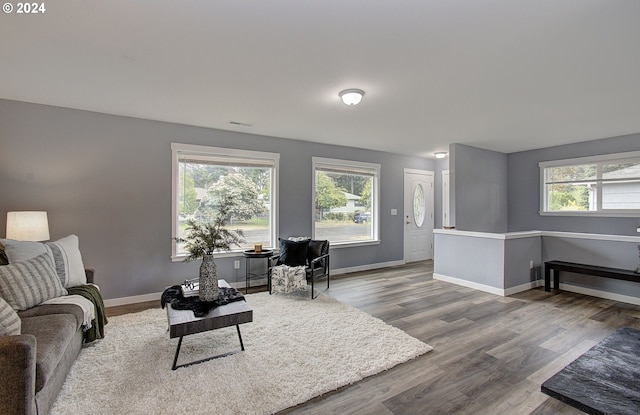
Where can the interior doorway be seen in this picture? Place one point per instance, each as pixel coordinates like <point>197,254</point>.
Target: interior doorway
<point>418,215</point>
<point>446,217</point>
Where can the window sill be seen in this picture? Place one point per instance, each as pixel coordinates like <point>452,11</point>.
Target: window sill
<point>353,244</point>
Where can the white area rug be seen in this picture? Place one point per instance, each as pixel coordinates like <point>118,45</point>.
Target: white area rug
<point>296,349</point>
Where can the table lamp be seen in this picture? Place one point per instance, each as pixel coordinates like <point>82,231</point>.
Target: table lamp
<point>27,226</point>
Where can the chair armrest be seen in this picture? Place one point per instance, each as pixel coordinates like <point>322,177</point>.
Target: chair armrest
<point>18,368</point>
<point>273,260</point>
<point>90,272</point>
<point>318,259</point>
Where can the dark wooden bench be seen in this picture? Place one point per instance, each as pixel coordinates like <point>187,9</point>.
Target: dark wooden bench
<point>605,272</point>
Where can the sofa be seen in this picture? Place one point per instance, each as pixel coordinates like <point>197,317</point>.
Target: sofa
<point>41,335</point>
<point>35,363</point>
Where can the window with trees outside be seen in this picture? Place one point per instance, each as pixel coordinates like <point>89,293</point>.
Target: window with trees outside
<point>607,185</point>
<point>201,174</point>
<point>345,200</point>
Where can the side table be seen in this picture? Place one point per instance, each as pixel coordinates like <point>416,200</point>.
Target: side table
<point>252,256</point>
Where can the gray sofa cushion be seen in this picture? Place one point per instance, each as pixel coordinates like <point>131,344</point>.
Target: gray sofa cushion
<point>53,332</point>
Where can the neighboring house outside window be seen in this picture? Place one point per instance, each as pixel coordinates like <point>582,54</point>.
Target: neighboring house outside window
<point>200,173</point>
<point>345,201</point>
<point>607,185</point>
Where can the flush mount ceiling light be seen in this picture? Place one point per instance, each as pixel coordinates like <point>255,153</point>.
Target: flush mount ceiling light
<point>440,154</point>
<point>352,96</point>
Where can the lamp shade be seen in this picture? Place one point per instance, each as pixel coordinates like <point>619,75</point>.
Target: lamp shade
<point>27,226</point>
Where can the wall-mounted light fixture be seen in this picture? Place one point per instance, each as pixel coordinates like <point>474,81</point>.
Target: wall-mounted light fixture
<point>440,154</point>
<point>352,96</point>
<point>27,226</point>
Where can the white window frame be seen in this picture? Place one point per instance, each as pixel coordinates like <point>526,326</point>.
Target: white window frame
<point>633,156</point>
<point>241,155</point>
<point>355,166</point>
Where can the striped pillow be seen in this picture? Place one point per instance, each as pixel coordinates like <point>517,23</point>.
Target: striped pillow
<point>26,284</point>
<point>10,323</point>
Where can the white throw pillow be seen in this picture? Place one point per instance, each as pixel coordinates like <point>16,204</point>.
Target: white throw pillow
<point>26,284</point>
<point>64,253</point>
<point>67,261</point>
<point>10,323</point>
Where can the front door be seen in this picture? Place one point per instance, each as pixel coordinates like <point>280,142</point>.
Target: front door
<point>418,215</point>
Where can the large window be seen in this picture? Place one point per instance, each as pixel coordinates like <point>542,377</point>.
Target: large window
<point>345,201</point>
<point>201,174</point>
<point>606,185</point>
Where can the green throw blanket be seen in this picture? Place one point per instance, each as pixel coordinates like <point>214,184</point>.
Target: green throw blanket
<point>91,293</point>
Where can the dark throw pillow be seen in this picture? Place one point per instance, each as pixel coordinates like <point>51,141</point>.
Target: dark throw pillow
<point>317,249</point>
<point>293,253</point>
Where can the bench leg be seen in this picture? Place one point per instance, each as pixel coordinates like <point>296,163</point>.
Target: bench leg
<point>547,279</point>
<point>556,279</point>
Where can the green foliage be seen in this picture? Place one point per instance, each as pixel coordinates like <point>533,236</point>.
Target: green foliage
<point>239,195</point>
<point>188,196</point>
<point>334,216</point>
<point>352,183</point>
<point>328,195</point>
<point>569,197</point>
<point>202,239</point>
<point>365,197</point>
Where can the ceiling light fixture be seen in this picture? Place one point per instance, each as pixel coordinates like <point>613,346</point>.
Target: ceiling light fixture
<point>440,154</point>
<point>352,96</point>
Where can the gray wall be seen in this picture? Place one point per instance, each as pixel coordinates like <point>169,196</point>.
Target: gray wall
<point>478,189</point>
<point>107,179</point>
<point>524,189</point>
<point>617,254</point>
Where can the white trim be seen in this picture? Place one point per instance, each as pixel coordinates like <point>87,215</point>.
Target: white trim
<point>598,160</point>
<point>134,299</point>
<point>529,234</point>
<point>272,158</point>
<point>319,162</point>
<point>523,287</point>
<point>420,172</point>
<point>489,235</point>
<point>592,236</point>
<point>589,159</point>
<point>487,288</point>
<point>600,294</point>
<point>469,284</point>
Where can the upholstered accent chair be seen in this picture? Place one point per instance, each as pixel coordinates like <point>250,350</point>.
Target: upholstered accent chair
<point>310,253</point>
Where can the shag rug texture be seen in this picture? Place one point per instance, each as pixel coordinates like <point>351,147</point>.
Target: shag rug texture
<point>295,349</point>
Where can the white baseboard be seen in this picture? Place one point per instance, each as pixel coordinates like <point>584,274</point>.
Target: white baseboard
<point>487,288</point>
<point>132,300</point>
<point>600,294</point>
<point>469,284</point>
<point>241,284</point>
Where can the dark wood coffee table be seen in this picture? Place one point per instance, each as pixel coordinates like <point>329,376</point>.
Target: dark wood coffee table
<point>183,323</point>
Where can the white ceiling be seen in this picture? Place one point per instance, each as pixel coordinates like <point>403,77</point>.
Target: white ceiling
<point>505,75</point>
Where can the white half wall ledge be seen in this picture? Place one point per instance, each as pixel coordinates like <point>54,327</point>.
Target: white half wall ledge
<point>529,234</point>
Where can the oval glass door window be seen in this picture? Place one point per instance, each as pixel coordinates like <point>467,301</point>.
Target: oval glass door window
<point>418,205</point>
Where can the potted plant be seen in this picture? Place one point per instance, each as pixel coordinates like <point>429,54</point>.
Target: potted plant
<point>201,240</point>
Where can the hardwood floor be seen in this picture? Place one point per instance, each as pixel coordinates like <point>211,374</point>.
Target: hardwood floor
<point>491,353</point>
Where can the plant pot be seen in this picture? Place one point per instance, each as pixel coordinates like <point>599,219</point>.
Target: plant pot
<point>208,279</point>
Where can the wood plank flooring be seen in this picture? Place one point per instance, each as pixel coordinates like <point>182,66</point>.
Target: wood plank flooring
<point>490,355</point>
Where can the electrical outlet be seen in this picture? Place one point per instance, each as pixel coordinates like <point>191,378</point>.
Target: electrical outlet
<point>236,264</point>
<point>394,212</point>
